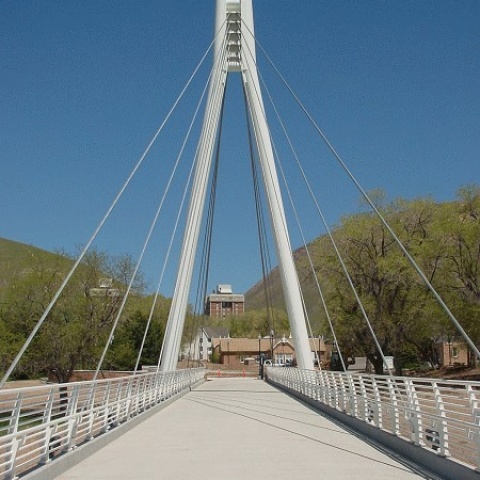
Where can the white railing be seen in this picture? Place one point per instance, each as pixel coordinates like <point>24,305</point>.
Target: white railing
<point>441,415</point>
<point>38,424</point>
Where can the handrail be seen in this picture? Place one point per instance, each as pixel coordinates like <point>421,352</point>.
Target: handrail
<point>440,415</point>
<point>38,424</point>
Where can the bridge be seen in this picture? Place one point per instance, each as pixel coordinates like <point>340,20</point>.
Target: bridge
<point>178,424</point>
<point>301,422</point>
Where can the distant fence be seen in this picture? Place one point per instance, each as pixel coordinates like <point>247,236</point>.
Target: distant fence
<point>439,415</point>
<point>39,424</point>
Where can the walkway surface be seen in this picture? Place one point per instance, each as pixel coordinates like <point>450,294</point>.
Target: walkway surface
<point>239,429</point>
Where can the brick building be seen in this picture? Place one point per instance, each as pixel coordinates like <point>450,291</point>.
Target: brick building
<point>451,352</point>
<point>237,352</point>
<point>223,302</point>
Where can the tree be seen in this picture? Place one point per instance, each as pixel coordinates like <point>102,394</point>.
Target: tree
<point>386,284</point>
<point>76,329</point>
<point>128,341</point>
<point>459,273</point>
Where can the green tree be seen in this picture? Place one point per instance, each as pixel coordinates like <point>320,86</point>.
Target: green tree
<point>392,296</point>
<point>76,329</point>
<point>458,276</point>
<point>128,341</point>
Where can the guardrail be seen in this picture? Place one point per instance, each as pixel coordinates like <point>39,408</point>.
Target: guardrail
<point>38,424</point>
<point>440,415</point>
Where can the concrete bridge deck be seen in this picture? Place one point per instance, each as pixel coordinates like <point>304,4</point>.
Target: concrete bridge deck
<point>239,429</point>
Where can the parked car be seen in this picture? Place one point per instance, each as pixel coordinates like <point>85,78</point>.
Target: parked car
<point>269,363</point>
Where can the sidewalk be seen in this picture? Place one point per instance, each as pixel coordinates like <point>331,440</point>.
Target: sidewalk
<point>238,429</point>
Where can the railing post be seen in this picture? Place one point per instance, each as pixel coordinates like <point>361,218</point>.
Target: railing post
<point>472,398</point>
<point>328,389</point>
<point>332,390</point>
<point>337,384</point>
<point>16,444</point>
<point>310,382</point>
<point>343,392</point>
<point>72,418</point>
<point>47,414</point>
<point>413,413</point>
<point>158,387</point>
<point>161,390</point>
<point>46,419</point>
<point>128,398</point>
<point>318,389</point>
<point>15,418</point>
<point>323,386</point>
<point>394,405</point>
<point>291,378</point>
<point>377,405</point>
<point>134,395</point>
<point>91,408</point>
<point>45,455</point>
<point>105,407</point>
<point>115,420</point>
<point>352,397</point>
<point>442,429</point>
<point>364,415</point>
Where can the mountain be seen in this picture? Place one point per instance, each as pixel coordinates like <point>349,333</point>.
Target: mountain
<point>16,257</point>
<point>446,231</point>
<point>255,297</point>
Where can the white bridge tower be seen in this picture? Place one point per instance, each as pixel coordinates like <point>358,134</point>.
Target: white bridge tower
<point>235,52</point>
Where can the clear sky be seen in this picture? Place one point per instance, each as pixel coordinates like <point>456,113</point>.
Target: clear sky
<point>85,84</point>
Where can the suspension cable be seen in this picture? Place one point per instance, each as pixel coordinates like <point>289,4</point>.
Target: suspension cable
<point>347,275</point>
<point>277,194</point>
<point>179,156</point>
<point>327,313</point>
<point>261,228</point>
<point>102,222</point>
<point>372,332</point>
<point>397,240</point>
<point>202,284</point>
<point>172,238</point>
<point>215,97</point>
<point>137,266</point>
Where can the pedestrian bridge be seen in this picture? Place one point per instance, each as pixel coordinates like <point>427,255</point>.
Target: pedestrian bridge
<point>177,425</point>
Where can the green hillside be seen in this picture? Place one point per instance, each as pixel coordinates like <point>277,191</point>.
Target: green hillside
<point>16,258</point>
<point>444,239</point>
<point>255,297</point>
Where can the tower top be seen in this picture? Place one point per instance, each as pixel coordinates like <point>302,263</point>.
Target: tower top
<point>234,30</point>
<point>229,16</point>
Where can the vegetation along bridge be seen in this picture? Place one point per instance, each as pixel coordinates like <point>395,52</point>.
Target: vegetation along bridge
<point>300,421</point>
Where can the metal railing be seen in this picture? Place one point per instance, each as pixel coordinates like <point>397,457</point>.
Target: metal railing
<point>40,423</point>
<point>440,415</point>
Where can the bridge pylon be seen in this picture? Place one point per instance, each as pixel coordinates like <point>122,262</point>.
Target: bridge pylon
<point>234,51</point>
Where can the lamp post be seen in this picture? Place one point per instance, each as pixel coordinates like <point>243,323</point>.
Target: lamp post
<point>228,350</point>
<point>259,358</point>
<point>271,345</point>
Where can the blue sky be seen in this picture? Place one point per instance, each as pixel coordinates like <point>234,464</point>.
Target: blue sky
<point>84,85</point>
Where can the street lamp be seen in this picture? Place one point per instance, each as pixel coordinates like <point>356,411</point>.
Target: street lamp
<point>271,345</point>
<point>259,339</point>
<point>228,350</point>
<point>260,362</point>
